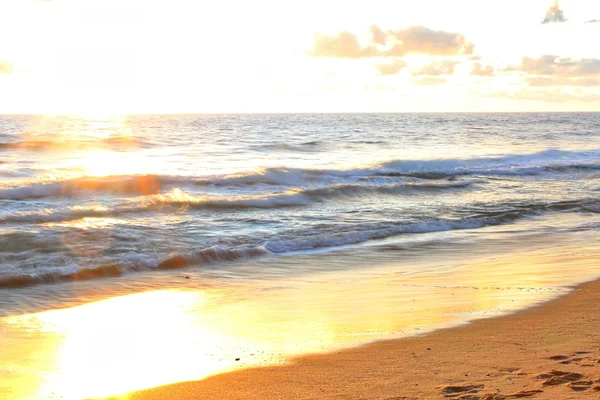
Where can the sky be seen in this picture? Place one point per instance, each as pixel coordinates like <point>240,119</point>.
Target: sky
<point>176,56</point>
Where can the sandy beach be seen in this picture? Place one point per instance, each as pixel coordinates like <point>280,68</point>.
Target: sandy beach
<point>546,352</point>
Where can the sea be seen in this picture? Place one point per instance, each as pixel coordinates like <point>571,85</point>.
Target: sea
<point>142,250</point>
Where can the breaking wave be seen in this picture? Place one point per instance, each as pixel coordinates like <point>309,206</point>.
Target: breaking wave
<point>300,241</point>
<point>178,198</point>
<point>133,263</point>
<point>550,161</point>
<point>528,164</point>
<point>130,185</point>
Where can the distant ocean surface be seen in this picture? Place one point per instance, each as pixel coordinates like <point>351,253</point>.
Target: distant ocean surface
<point>94,199</point>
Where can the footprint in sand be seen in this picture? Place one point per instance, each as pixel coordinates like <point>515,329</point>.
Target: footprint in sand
<point>580,386</point>
<point>470,392</point>
<point>576,357</point>
<point>517,395</point>
<point>555,377</point>
<point>559,358</point>
<point>574,380</point>
<point>462,392</point>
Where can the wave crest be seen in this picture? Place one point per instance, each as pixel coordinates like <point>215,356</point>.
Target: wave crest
<point>546,162</point>
<point>179,198</point>
<point>300,241</point>
<point>136,185</point>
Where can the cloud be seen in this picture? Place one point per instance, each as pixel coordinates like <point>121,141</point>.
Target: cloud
<point>559,66</point>
<point>5,67</point>
<point>430,81</point>
<point>551,70</point>
<point>392,43</point>
<point>437,68</point>
<point>422,40</point>
<point>378,36</point>
<point>482,70</point>
<point>344,45</point>
<point>560,81</point>
<point>554,14</point>
<point>392,68</point>
<point>544,95</point>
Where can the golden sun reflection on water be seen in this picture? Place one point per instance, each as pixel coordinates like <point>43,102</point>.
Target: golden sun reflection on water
<point>109,163</point>
<point>92,145</point>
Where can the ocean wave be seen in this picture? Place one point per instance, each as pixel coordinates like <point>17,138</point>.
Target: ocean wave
<point>67,214</point>
<point>130,263</point>
<point>313,146</point>
<point>521,164</point>
<point>179,198</point>
<point>211,255</point>
<point>557,161</point>
<point>294,242</point>
<point>137,185</point>
<point>550,161</point>
<point>301,197</point>
<point>360,236</point>
<point>479,220</point>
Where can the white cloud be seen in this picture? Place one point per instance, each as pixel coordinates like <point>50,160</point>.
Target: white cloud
<point>392,68</point>
<point>392,43</point>
<point>437,68</point>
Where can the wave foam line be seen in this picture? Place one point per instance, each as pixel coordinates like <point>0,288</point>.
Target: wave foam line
<point>137,185</point>
<point>178,198</point>
<point>483,219</point>
<point>521,164</point>
<point>217,254</point>
<point>207,256</point>
<point>550,161</point>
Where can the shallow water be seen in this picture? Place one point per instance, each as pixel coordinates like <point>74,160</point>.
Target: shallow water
<point>81,198</point>
<point>131,243</point>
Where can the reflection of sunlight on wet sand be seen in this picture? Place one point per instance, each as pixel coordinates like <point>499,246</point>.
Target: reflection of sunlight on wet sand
<point>154,338</point>
<point>130,342</point>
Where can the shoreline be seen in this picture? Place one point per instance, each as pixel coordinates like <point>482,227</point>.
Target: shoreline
<point>547,351</point>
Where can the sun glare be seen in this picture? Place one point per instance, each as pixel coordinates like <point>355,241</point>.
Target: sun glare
<point>112,346</point>
<point>106,163</point>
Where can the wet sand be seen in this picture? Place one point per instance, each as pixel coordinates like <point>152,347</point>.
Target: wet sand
<point>546,352</point>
